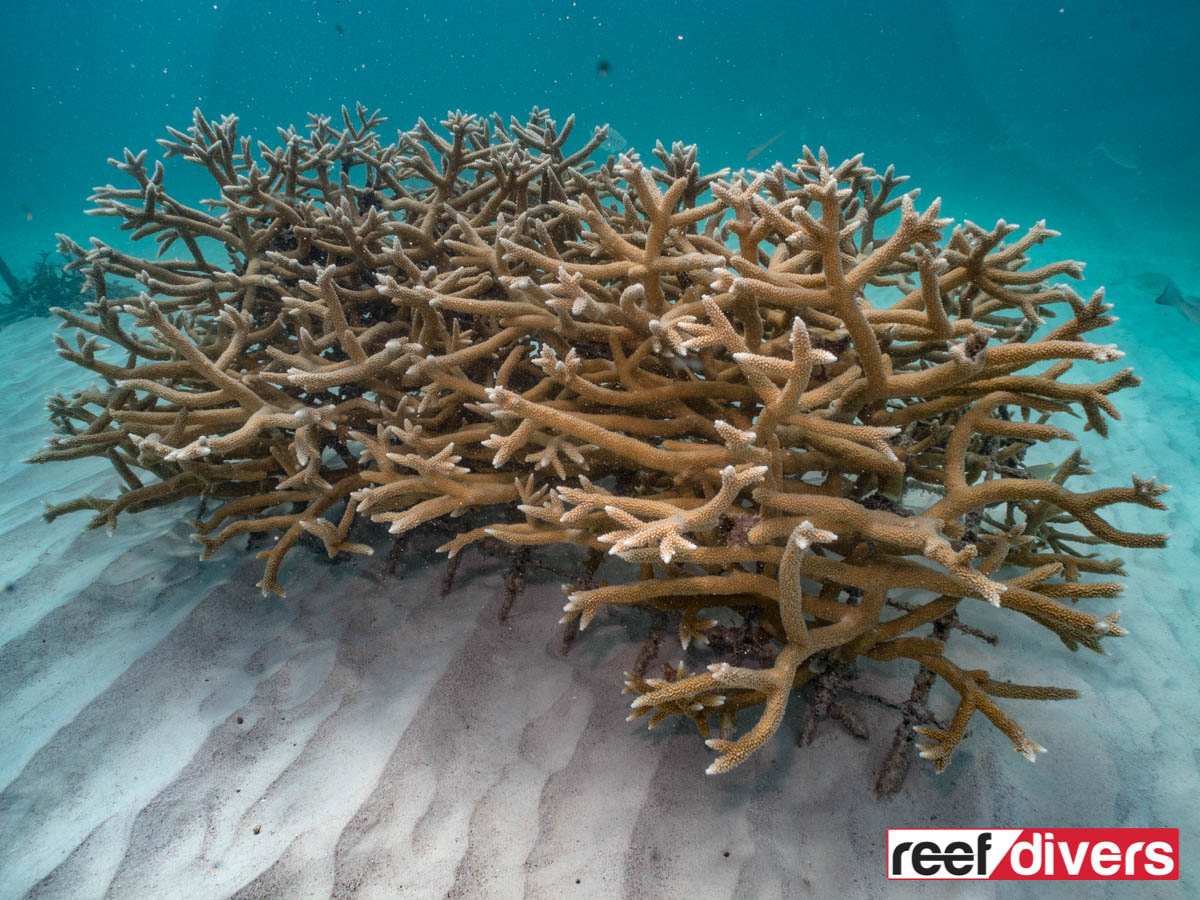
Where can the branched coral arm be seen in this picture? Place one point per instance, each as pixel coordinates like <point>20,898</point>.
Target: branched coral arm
<point>668,532</point>
<point>776,684</point>
<point>584,604</point>
<point>175,338</point>
<point>629,448</point>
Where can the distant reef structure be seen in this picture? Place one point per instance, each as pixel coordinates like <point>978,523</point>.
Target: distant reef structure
<point>795,403</point>
<point>49,285</point>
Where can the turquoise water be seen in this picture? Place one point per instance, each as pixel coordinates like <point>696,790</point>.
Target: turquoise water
<point>1079,113</point>
<point>1085,115</point>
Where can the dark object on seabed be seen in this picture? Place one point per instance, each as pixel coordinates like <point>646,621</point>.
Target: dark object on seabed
<point>48,285</point>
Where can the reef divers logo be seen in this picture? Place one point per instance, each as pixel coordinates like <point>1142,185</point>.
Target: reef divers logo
<point>1028,854</point>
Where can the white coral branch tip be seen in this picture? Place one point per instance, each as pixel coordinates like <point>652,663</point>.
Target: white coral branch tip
<point>806,534</point>
<point>1105,352</point>
<point>1030,749</point>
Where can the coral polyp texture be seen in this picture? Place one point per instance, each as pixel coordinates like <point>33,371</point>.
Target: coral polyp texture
<point>792,399</point>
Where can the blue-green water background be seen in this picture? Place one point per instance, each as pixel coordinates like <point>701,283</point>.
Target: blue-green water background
<point>1081,113</point>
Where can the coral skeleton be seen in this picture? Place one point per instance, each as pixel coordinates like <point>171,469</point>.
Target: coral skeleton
<point>791,398</point>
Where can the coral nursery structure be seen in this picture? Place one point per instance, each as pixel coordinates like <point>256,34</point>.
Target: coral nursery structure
<point>790,398</point>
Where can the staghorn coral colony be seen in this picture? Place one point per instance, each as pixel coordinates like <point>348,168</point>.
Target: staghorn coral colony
<point>787,397</point>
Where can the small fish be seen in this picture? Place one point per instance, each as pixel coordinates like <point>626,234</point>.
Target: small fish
<point>603,67</point>
<point>761,147</point>
<point>28,213</point>
<point>1186,304</point>
<point>339,29</point>
<point>1119,155</point>
<point>1042,471</point>
<point>615,143</point>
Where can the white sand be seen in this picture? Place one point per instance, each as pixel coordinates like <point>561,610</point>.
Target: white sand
<point>394,745</point>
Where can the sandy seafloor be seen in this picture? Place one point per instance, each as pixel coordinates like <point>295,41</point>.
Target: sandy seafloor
<point>395,745</point>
